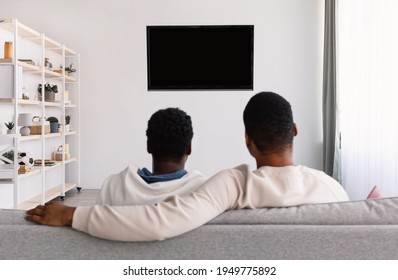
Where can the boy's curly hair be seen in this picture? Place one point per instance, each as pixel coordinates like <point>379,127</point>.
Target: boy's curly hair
<point>169,133</point>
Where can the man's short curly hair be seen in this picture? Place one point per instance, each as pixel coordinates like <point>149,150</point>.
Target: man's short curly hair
<point>268,120</point>
<point>169,133</point>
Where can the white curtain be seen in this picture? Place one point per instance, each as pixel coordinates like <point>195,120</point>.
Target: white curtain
<point>367,68</point>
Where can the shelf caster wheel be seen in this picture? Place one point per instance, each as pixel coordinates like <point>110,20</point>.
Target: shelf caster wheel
<point>78,189</point>
<point>62,198</point>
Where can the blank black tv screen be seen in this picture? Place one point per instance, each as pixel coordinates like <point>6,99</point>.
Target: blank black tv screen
<point>211,57</point>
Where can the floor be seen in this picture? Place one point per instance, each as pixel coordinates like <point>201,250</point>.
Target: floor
<point>85,197</point>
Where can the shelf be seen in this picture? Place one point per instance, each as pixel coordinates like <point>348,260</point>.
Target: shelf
<point>30,137</point>
<point>38,136</point>
<point>56,165</point>
<point>34,171</point>
<point>48,195</point>
<point>20,101</point>
<point>70,106</point>
<point>53,193</point>
<point>28,204</point>
<point>70,53</point>
<point>52,104</point>
<point>29,67</point>
<point>30,74</point>
<point>23,30</point>
<point>70,79</point>
<point>50,73</point>
<point>52,135</point>
<point>69,133</point>
<point>6,100</point>
<point>67,161</point>
<point>35,103</point>
<point>28,102</point>
<point>6,181</point>
<point>70,160</point>
<point>51,44</point>
<point>37,169</point>
<point>31,34</point>
<point>69,186</point>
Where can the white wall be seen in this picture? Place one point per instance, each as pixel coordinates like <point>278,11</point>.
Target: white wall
<point>110,36</point>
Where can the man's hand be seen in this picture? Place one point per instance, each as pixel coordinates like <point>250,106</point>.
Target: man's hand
<point>51,214</point>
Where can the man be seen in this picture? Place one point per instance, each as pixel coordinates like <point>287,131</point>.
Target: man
<point>169,141</point>
<point>276,182</point>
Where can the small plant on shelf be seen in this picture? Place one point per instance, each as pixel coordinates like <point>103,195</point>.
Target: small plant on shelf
<point>49,92</point>
<point>52,119</point>
<point>70,69</point>
<point>48,88</point>
<point>8,155</point>
<point>67,123</point>
<point>10,126</point>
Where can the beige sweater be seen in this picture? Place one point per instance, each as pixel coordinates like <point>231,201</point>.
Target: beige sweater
<point>235,188</point>
<point>128,188</point>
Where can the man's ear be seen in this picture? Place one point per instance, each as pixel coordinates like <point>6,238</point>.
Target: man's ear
<point>251,146</point>
<point>189,149</point>
<point>295,129</point>
<point>148,148</point>
<point>248,140</point>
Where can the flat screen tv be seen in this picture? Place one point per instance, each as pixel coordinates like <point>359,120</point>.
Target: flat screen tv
<point>206,57</point>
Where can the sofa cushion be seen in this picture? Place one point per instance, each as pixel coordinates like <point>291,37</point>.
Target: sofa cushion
<point>383,211</point>
<point>12,217</point>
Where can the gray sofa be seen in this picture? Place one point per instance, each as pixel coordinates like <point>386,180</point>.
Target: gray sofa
<point>365,229</point>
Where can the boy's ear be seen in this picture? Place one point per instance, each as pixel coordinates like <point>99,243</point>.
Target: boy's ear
<point>295,129</point>
<point>148,148</point>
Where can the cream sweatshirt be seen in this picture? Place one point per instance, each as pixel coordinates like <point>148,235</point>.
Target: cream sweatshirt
<point>128,188</point>
<point>235,188</point>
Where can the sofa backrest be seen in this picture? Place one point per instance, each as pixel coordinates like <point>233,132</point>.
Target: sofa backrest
<point>382,211</point>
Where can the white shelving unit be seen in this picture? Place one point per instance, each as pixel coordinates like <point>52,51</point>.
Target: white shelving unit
<point>42,183</point>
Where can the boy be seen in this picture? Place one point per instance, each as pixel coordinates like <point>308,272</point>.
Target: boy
<point>169,141</point>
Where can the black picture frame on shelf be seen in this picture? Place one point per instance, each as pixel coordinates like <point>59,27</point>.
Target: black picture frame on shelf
<point>200,57</point>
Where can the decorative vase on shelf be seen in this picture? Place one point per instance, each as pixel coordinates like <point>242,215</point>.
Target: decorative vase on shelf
<point>25,94</point>
<point>53,124</point>
<point>49,96</point>
<point>8,50</point>
<point>53,127</point>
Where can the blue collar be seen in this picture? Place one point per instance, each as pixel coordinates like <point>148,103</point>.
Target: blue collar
<point>150,178</point>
